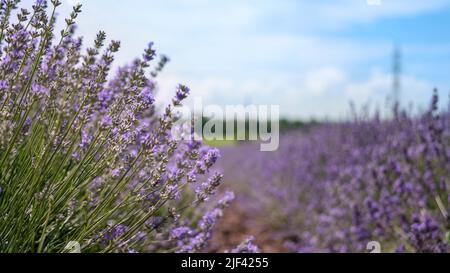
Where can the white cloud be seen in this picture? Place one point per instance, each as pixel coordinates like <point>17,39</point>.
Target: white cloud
<point>377,85</point>
<point>319,81</point>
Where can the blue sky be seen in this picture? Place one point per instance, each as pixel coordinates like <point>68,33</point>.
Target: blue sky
<point>309,57</point>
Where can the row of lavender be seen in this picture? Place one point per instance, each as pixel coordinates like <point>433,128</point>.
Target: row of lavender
<point>341,186</point>
<point>87,159</point>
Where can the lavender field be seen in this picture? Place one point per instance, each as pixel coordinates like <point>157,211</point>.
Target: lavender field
<point>95,156</point>
<point>339,186</point>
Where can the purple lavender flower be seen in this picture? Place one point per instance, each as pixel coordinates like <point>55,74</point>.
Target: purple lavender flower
<point>114,232</point>
<point>182,92</point>
<point>115,173</point>
<point>40,90</point>
<point>147,95</point>
<point>3,84</point>
<point>226,198</point>
<point>150,53</point>
<point>208,188</point>
<point>181,232</point>
<point>246,247</point>
<point>106,121</point>
<point>211,157</point>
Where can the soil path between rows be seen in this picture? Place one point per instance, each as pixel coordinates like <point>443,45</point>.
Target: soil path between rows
<point>237,224</point>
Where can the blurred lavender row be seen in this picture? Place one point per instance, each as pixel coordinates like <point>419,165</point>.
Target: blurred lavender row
<point>339,186</point>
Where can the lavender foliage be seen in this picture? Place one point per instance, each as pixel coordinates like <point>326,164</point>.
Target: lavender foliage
<point>86,156</point>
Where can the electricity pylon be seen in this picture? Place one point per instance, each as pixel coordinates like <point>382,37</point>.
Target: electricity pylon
<point>396,74</point>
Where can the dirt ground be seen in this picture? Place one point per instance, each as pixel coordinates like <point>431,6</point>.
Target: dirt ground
<point>236,225</point>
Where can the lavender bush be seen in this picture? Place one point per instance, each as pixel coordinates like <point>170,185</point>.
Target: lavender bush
<point>342,185</point>
<point>87,157</point>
